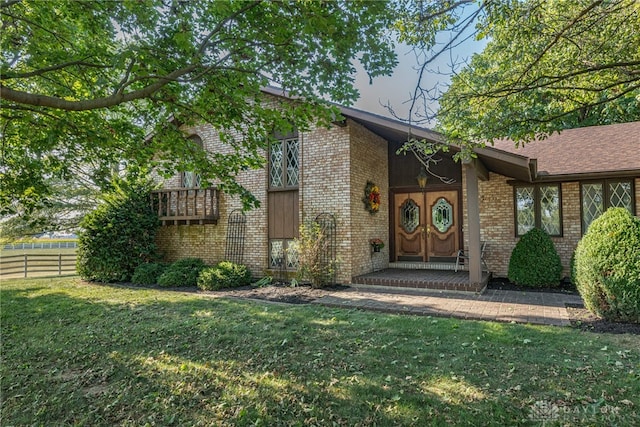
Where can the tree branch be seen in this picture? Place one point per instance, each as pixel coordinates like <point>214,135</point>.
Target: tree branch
<point>22,97</point>
<point>41,71</point>
<point>558,36</point>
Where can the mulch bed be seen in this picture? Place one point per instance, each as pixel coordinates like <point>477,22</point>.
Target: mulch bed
<point>283,292</point>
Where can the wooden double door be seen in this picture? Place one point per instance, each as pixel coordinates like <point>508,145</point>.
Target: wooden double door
<point>427,225</point>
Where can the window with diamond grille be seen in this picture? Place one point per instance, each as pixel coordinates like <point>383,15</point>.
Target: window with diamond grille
<point>525,210</point>
<point>292,163</point>
<point>276,166</point>
<point>538,206</point>
<point>592,203</point>
<point>599,196</point>
<point>284,166</point>
<point>192,179</point>
<point>550,209</point>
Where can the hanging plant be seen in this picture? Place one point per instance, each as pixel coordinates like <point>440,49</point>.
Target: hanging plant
<point>376,244</point>
<point>371,197</point>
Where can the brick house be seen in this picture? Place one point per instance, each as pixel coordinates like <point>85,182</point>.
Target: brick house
<point>560,184</point>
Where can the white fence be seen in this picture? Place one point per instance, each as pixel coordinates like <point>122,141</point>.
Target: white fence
<point>40,245</point>
<point>37,265</point>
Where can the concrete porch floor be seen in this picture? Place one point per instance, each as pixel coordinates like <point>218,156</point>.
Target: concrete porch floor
<point>439,280</point>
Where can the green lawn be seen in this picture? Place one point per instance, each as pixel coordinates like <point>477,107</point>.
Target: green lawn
<point>83,354</point>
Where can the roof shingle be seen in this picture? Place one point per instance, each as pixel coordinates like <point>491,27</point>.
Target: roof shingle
<point>594,149</point>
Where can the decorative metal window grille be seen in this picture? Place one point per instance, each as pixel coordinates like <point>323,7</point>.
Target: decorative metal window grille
<point>236,227</point>
<point>442,215</point>
<point>409,216</point>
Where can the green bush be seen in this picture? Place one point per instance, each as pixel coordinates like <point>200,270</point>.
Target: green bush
<point>148,273</point>
<point>607,266</point>
<point>181,273</point>
<point>309,249</point>
<point>224,275</point>
<point>534,261</point>
<point>119,235</point>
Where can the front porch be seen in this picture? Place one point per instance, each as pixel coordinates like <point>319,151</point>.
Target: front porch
<point>420,278</point>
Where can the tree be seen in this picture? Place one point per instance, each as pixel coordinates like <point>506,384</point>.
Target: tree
<point>108,73</point>
<point>548,66</point>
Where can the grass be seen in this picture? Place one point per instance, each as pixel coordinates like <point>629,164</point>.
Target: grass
<point>83,354</point>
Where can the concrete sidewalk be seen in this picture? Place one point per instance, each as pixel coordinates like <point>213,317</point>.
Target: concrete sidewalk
<point>541,308</point>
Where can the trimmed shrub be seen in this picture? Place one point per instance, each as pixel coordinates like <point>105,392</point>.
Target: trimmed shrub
<point>607,266</point>
<point>148,274</point>
<point>182,273</point>
<point>119,235</point>
<point>224,275</point>
<point>534,261</point>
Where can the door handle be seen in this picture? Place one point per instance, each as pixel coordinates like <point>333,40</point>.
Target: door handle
<point>426,230</point>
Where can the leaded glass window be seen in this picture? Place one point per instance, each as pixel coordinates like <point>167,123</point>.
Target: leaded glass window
<point>525,209</point>
<point>282,254</point>
<point>550,209</point>
<point>598,196</point>
<point>291,256</point>
<point>192,179</point>
<point>292,162</point>
<point>276,254</point>
<point>538,206</point>
<point>409,216</point>
<point>620,195</point>
<point>284,162</point>
<point>276,169</point>
<point>592,203</point>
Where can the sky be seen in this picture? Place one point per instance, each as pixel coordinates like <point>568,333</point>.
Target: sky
<point>398,88</point>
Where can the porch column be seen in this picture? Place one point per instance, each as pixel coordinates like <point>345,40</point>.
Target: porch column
<point>473,221</point>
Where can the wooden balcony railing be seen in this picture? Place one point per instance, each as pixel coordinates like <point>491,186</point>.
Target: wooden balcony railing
<point>186,205</point>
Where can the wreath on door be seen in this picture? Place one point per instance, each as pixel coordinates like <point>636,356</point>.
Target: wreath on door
<point>371,197</point>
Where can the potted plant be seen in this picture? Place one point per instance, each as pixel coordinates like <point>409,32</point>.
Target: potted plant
<point>376,244</point>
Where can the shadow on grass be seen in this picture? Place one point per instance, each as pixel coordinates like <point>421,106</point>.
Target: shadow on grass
<point>77,353</point>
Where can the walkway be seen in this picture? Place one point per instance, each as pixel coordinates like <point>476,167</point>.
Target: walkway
<point>494,305</point>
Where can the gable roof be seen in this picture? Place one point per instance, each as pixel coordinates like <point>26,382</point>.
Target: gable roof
<point>588,152</point>
<point>594,150</point>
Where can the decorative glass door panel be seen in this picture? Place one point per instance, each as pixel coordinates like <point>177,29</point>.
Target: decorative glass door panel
<point>443,225</point>
<point>442,215</point>
<point>426,225</point>
<point>410,216</point>
<point>409,227</point>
